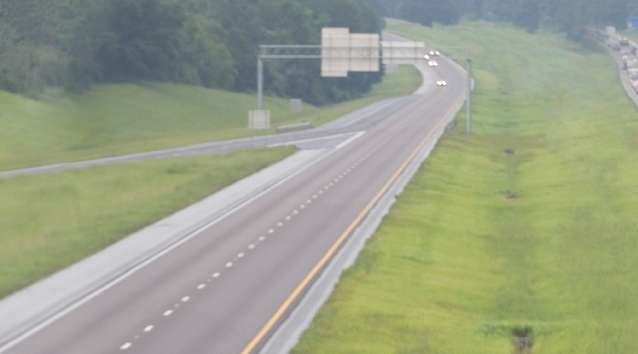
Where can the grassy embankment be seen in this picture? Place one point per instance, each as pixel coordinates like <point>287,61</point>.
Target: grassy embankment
<point>52,220</point>
<point>528,225</point>
<point>631,34</point>
<point>118,119</point>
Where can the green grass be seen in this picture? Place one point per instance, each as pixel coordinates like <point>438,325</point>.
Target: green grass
<point>125,118</point>
<point>52,220</point>
<point>483,243</point>
<point>631,34</point>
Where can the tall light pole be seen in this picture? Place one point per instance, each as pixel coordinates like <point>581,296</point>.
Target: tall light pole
<point>260,83</point>
<point>468,115</point>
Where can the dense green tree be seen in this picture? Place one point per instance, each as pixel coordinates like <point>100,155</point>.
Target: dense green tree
<point>213,43</point>
<point>425,12</point>
<point>143,40</point>
<point>529,15</point>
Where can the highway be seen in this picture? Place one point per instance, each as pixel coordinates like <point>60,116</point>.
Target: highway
<point>228,286</point>
<point>624,80</point>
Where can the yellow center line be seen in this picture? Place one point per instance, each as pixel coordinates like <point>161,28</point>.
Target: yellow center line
<point>293,296</point>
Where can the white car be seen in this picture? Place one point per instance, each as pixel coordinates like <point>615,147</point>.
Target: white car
<point>441,83</point>
<point>426,56</point>
<point>433,63</point>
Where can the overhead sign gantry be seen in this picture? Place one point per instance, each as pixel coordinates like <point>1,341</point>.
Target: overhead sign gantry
<point>342,52</point>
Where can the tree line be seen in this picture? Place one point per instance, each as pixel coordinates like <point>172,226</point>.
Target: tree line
<point>569,16</point>
<point>212,43</point>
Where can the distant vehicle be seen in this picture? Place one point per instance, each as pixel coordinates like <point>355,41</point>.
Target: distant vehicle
<point>441,83</point>
<point>614,42</point>
<point>433,63</point>
<point>624,42</point>
<point>426,56</point>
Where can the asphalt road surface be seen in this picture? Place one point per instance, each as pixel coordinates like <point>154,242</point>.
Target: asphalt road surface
<point>624,80</point>
<point>226,289</point>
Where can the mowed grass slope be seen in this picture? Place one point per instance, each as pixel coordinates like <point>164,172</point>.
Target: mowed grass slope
<point>125,118</point>
<point>49,221</point>
<point>529,224</point>
<point>52,220</point>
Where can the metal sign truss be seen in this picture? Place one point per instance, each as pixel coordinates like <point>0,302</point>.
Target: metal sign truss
<point>334,52</point>
<point>316,52</point>
<point>337,52</point>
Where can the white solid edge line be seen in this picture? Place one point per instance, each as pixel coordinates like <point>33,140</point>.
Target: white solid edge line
<point>366,115</point>
<point>308,140</point>
<point>349,140</point>
<point>128,273</point>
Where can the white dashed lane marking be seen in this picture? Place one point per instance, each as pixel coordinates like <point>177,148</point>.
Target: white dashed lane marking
<point>261,238</point>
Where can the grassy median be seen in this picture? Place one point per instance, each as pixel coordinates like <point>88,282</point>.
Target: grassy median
<point>52,220</point>
<point>117,119</point>
<point>527,229</point>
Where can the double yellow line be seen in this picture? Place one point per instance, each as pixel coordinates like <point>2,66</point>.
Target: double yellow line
<point>293,296</point>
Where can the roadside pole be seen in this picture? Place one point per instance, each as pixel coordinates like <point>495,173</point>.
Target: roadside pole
<point>260,83</point>
<point>468,103</point>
